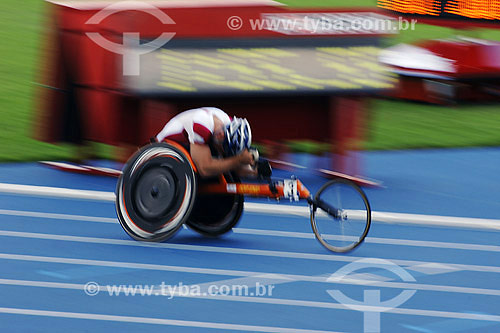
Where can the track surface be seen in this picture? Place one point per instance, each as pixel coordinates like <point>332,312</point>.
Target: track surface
<point>51,248</point>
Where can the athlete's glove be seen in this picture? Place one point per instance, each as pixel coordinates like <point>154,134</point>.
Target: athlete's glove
<point>264,169</point>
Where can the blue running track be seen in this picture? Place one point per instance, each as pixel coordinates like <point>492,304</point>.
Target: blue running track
<point>61,258</point>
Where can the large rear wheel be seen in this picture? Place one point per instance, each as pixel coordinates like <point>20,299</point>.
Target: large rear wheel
<point>156,192</point>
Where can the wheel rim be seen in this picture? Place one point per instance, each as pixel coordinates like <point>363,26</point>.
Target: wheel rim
<point>342,235</point>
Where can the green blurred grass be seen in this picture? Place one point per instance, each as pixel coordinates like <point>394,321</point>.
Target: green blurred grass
<point>396,125</point>
<point>401,125</point>
<point>20,26</point>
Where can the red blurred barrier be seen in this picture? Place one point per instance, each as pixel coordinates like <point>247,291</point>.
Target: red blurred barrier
<point>87,95</point>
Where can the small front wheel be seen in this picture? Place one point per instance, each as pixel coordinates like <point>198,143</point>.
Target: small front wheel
<point>349,218</point>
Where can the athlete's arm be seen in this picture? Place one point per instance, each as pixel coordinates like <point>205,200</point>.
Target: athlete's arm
<point>247,171</point>
<point>208,166</point>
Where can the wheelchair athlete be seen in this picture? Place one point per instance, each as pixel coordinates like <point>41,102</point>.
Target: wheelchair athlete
<point>209,132</point>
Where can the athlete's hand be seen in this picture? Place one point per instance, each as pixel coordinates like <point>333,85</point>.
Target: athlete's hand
<point>246,157</point>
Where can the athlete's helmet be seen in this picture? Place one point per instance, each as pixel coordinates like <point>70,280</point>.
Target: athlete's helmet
<point>238,136</point>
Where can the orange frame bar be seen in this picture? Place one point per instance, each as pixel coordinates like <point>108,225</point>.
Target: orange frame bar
<point>255,190</point>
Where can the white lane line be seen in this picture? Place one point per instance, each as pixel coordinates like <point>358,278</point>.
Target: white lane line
<point>385,217</point>
<point>240,251</point>
<point>373,240</point>
<point>436,220</point>
<point>155,321</point>
<point>261,275</point>
<point>57,192</point>
<point>279,301</point>
<point>56,216</point>
<point>273,233</point>
<point>257,208</point>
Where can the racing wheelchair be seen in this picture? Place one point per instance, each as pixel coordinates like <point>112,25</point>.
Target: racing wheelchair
<point>159,191</point>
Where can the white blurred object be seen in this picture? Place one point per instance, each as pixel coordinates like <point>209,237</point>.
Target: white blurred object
<point>255,154</point>
<point>416,58</point>
<point>99,4</point>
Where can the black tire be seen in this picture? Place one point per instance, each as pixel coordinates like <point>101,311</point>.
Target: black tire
<point>215,215</point>
<point>156,192</point>
<point>346,233</point>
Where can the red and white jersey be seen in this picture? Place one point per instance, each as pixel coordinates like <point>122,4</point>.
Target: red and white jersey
<point>193,126</point>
